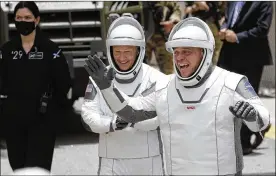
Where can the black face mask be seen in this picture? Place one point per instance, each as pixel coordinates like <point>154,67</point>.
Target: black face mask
<point>24,27</point>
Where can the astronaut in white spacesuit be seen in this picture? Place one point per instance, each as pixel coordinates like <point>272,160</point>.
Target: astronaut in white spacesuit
<point>200,108</point>
<point>125,148</point>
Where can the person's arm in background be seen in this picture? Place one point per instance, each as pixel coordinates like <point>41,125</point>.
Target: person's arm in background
<point>175,16</point>
<point>224,21</point>
<point>262,24</point>
<point>176,12</point>
<point>222,5</point>
<point>93,116</point>
<point>225,15</point>
<point>61,78</point>
<point>188,9</point>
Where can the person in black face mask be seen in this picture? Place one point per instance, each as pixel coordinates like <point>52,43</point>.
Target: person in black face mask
<point>25,27</point>
<point>26,19</point>
<point>34,82</point>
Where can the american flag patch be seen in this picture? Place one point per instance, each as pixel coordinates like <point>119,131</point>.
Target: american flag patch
<point>89,88</point>
<point>249,88</point>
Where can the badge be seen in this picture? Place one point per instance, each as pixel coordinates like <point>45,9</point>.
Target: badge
<point>36,55</point>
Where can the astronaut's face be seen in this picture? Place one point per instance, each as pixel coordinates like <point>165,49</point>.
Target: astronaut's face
<point>124,56</point>
<point>187,60</point>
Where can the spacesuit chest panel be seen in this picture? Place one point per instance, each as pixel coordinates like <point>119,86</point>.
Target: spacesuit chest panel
<point>192,120</point>
<point>130,143</point>
<point>136,87</point>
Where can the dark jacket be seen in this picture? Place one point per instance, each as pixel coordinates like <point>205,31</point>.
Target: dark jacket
<point>252,27</point>
<point>25,77</point>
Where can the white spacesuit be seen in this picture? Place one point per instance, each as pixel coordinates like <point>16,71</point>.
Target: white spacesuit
<point>136,149</point>
<point>200,116</point>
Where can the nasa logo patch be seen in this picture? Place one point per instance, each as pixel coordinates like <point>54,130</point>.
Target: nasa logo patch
<point>191,107</point>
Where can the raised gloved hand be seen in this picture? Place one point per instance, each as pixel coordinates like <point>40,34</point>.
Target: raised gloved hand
<point>244,111</point>
<point>98,71</point>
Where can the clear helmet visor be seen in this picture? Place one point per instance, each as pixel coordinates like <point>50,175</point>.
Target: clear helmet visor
<point>126,31</point>
<point>192,32</point>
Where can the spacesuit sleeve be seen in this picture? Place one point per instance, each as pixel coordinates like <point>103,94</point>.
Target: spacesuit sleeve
<point>92,115</point>
<point>245,92</point>
<point>130,109</point>
<point>150,124</point>
<point>147,125</point>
